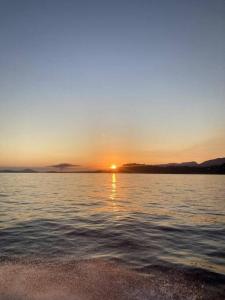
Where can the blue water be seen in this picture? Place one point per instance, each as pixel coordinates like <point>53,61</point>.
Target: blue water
<point>144,222</point>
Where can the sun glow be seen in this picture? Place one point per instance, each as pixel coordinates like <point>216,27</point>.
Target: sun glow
<point>113,167</point>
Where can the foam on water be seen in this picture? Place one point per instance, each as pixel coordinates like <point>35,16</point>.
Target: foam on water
<point>97,279</point>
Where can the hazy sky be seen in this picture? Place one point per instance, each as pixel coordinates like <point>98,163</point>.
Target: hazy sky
<point>96,82</point>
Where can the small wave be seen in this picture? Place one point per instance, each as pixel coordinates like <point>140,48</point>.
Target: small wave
<point>3,195</point>
<point>96,279</point>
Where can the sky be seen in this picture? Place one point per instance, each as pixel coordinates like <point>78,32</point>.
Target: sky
<point>100,82</point>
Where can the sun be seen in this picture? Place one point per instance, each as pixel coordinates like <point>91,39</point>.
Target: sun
<point>113,167</point>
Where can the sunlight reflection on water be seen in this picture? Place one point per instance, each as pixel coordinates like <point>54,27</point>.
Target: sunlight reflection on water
<point>141,219</point>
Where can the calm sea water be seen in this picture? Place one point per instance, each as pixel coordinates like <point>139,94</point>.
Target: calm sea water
<point>146,222</point>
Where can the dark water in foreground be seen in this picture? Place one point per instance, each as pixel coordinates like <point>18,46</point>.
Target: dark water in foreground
<point>115,236</point>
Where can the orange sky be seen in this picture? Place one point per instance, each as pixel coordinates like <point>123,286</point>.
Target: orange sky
<point>103,158</point>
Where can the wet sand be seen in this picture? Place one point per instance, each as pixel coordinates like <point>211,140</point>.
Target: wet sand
<point>96,280</point>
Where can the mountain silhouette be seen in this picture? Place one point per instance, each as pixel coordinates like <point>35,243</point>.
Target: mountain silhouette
<point>213,162</point>
<point>213,166</point>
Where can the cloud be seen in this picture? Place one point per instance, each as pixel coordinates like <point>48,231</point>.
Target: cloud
<point>64,165</point>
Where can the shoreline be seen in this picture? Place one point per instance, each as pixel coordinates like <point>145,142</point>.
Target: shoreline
<point>101,279</point>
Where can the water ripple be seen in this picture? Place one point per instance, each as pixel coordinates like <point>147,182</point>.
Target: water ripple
<point>143,220</point>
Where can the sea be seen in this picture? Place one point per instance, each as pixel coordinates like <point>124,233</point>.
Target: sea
<point>112,236</point>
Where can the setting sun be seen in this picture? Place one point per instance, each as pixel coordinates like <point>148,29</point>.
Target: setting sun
<point>113,167</point>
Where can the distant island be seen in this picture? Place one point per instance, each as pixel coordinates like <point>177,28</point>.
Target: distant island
<point>213,166</point>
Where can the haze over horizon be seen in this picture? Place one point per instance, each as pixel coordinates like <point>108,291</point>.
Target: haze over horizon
<point>101,82</point>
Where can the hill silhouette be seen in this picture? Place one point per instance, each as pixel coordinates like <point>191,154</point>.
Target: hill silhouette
<point>213,166</point>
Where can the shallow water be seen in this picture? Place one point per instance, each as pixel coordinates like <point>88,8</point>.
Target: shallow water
<point>141,222</point>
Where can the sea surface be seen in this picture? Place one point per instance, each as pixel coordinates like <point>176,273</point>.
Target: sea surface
<point>112,236</point>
